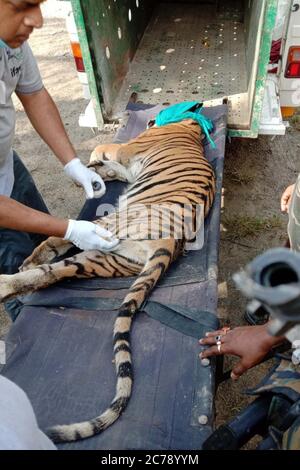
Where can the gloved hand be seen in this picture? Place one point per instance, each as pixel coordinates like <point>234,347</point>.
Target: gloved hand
<point>85,177</point>
<point>88,236</point>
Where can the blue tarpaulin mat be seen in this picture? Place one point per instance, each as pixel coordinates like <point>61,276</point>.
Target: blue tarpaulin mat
<point>60,347</point>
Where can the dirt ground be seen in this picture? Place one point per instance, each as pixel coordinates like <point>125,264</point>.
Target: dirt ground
<point>256,172</point>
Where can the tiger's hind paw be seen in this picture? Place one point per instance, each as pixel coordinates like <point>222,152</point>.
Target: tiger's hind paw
<point>28,264</point>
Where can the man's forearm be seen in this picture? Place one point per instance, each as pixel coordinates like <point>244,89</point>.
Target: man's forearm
<point>46,120</point>
<point>16,216</point>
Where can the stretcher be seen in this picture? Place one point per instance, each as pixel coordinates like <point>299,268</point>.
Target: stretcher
<point>59,350</point>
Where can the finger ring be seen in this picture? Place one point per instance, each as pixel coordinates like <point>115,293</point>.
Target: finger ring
<point>219,346</point>
<point>218,338</point>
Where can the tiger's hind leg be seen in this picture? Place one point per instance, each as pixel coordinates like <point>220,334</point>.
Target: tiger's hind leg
<point>84,265</point>
<point>160,257</point>
<point>161,254</point>
<point>46,252</point>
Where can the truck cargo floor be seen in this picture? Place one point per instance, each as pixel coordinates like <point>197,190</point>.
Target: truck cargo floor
<point>190,52</point>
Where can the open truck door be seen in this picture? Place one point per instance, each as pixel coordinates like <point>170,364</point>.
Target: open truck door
<point>166,52</point>
<point>282,92</point>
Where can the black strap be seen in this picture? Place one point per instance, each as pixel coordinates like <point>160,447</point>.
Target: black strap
<point>191,322</point>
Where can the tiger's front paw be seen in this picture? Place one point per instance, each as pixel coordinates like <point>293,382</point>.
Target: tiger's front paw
<point>110,170</point>
<point>103,169</point>
<point>105,161</point>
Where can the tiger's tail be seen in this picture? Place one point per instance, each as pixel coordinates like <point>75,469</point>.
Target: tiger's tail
<point>154,268</point>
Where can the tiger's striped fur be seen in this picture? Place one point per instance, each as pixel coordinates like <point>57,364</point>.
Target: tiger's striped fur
<point>163,166</point>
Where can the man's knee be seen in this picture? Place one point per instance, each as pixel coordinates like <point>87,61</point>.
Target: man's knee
<point>15,247</point>
<point>25,190</point>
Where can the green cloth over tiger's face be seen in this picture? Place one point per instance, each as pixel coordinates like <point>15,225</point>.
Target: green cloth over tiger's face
<point>171,186</point>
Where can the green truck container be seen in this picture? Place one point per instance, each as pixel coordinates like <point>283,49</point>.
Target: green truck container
<point>167,52</point>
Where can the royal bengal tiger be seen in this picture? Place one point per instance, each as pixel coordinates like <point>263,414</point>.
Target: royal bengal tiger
<point>165,167</point>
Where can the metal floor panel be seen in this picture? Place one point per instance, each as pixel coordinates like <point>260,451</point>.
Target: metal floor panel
<point>190,52</point>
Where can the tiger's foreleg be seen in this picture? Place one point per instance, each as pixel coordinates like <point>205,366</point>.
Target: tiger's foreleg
<point>105,152</point>
<point>46,252</point>
<point>119,153</point>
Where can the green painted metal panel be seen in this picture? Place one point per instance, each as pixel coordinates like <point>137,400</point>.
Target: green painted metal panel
<point>113,31</point>
<point>264,56</point>
<point>87,60</point>
<point>253,14</point>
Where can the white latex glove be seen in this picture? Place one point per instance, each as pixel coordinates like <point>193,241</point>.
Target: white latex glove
<point>88,236</point>
<point>88,179</point>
